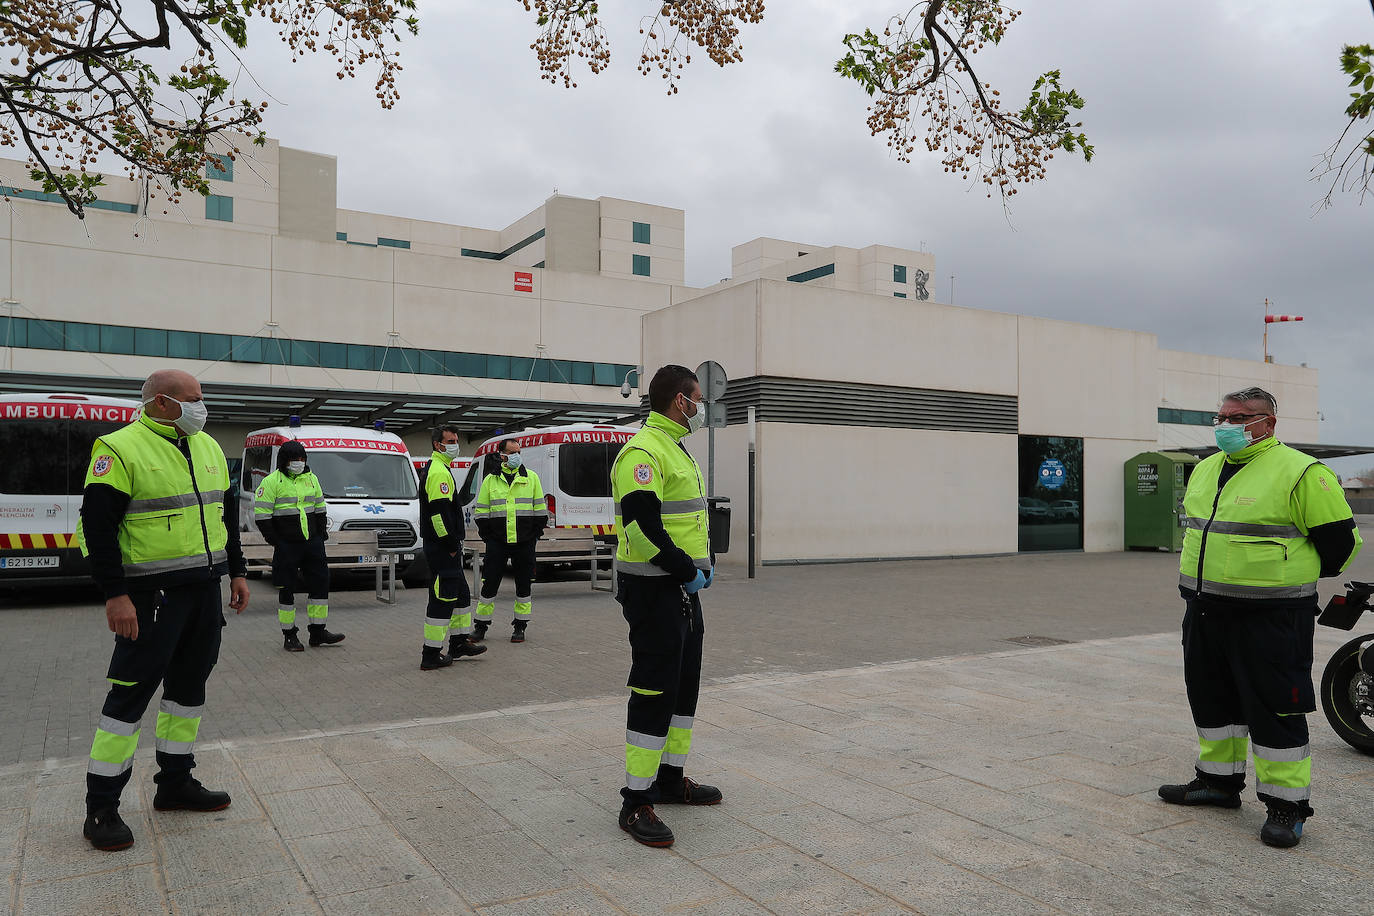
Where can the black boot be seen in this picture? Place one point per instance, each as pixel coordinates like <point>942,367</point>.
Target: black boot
<point>1283,828</point>
<point>432,658</point>
<point>188,796</point>
<point>319,636</point>
<point>643,824</point>
<point>1199,792</point>
<point>479,631</point>
<point>518,634</point>
<point>688,792</point>
<point>290,641</point>
<point>458,646</point>
<point>106,830</point>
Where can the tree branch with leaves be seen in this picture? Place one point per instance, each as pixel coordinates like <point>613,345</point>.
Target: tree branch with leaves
<point>921,75</point>
<point>1349,162</point>
<point>75,87</point>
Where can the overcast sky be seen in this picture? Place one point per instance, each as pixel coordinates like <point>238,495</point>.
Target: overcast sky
<point>1207,119</point>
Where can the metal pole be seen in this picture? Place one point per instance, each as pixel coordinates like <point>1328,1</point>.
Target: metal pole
<point>710,460</point>
<point>751,493</point>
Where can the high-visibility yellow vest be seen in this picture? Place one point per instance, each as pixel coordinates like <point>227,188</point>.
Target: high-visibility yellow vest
<point>655,460</point>
<point>281,496</point>
<point>439,487</point>
<point>523,497</point>
<point>1243,542</point>
<point>175,518</point>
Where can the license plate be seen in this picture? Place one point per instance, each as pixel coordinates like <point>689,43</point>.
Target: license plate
<point>367,559</point>
<point>28,562</point>
<point>408,556</point>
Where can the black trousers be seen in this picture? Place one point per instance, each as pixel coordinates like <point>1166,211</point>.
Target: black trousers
<point>496,555</point>
<point>1249,670</point>
<point>306,558</point>
<point>177,647</point>
<point>450,599</point>
<point>666,630</point>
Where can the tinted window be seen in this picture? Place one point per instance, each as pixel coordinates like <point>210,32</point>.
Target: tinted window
<point>81,436</point>
<point>584,469</point>
<point>363,475</point>
<point>258,464</point>
<point>35,459</point>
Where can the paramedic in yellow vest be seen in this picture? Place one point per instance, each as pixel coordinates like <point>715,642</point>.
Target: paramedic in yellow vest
<point>511,516</point>
<point>663,560</point>
<point>1264,522</point>
<point>153,523</point>
<point>289,510</point>
<point>448,614</point>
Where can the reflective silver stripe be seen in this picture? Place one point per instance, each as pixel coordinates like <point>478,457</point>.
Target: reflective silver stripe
<point>530,513</point>
<point>1231,590</point>
<point>647,742</point>
<point>174,747</point>
<point>683,506</point>
<point>634,568</point>
<point>102,768</point>
<point>1226,731</point>
<point>116,727</point>
<point>185,712</point>
<point>1288,793</point>
<point>1220,526</point>
<point>285,512</point>
<point>631,568</point>
<point>1281,754</point>
<point>639,782</point>
<point>161,503</point>
<point>1217,768</point>
<point>149,567</point>
<point>437,621</point>
<point>482,506</point>
<point>675,760</point>
<point>219,556</point>
<point>496,502</point>
<point>684,722</point>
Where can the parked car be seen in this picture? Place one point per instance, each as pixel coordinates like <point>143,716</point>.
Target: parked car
<point>1065,510</point>
<point>1029,509</point>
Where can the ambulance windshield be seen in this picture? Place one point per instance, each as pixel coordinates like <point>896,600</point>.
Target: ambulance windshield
<point>363,475</point>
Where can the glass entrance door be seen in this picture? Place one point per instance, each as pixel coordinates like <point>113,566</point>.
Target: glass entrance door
<point>1049,506</point>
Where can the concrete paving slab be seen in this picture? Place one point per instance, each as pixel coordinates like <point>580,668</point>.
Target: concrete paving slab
<point>326,809</point>
<point>220,853</point>
<point>359,859</point>
<point>428,897</point>
<point>572,901</point>
<point>129,890</point>
<point>276,894</point>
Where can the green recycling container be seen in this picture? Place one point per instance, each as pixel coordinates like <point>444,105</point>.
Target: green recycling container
<point>1154,487</point>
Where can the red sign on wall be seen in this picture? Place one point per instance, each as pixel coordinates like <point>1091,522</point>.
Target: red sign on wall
<point>524,281</point>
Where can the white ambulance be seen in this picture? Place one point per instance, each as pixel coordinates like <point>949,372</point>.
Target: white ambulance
<point>367,477</point>
<point>45,441</point>
<point>574,467</point>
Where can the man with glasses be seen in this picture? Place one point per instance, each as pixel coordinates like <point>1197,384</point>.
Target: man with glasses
<point>1264,522</point>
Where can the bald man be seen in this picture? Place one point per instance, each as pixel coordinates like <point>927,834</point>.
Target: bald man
<point>153,523</point>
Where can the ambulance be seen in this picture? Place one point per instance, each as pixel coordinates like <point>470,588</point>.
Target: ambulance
<point>367,476</point>
<point>45,441</point>
<point>574,467</point>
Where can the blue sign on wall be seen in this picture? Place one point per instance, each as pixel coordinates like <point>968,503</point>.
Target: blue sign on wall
<point>1052,474</point>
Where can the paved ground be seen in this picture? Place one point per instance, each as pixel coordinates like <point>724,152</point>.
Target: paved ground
<point>882,748</point>
<point>56,646</point>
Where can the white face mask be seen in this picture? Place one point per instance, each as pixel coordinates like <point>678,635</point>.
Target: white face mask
<point>513,461</point>
<point>295,467</point>
<point>697,420</point>
<point>193,415</point>
<point>453,449</point>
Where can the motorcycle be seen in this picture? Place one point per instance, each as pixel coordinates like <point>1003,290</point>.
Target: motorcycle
<point>1348,680</point>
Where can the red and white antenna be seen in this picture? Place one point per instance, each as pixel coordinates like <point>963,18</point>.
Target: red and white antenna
<point>1270,319</point>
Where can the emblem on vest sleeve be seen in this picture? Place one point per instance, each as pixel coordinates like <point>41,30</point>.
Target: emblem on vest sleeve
<point>644,474</point>
<point>102,466</point>
<point>443,488</point>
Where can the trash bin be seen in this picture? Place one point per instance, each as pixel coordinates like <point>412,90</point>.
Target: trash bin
<point>718,518</point>
<point>1154,486</point>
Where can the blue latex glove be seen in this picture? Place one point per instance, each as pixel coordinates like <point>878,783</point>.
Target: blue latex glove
<point>697,584</point>
<point>710,577</point>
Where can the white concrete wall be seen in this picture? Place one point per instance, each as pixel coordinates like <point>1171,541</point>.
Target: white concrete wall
<point>1196,381</point>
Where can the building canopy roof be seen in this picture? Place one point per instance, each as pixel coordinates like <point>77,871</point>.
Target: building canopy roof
<point>404,413</point>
